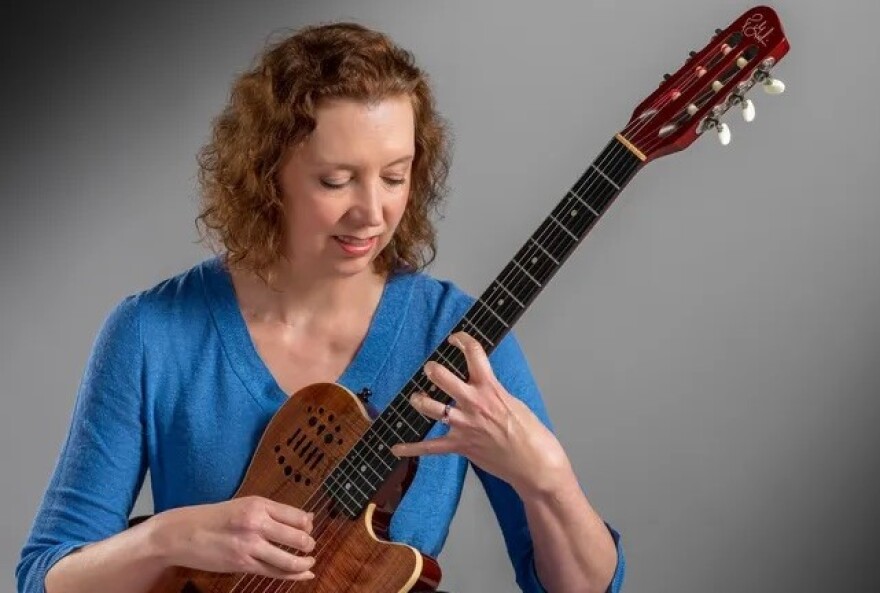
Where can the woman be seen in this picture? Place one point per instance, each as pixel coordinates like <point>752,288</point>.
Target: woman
<point>318,182</point>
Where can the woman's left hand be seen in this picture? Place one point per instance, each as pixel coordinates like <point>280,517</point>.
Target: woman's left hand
<point>493,429</point>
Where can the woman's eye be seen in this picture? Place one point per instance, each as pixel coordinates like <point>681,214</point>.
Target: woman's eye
<point>341,184</point>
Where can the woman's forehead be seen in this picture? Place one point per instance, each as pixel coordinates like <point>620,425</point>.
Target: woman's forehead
<point>348,131</point>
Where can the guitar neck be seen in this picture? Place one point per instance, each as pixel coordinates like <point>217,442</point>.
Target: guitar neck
<point>488,320</point>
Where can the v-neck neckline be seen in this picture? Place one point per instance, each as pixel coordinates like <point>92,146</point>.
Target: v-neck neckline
<point>242,353</point>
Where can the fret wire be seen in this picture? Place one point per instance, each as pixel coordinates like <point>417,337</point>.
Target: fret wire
<point>393,429</point>
<point>349,480</point>
<point>376,432</point>
<point>369,449</point>
<point>352,473</point>
<point>403,413</point>
<point>557,241</point>
<point>564,228</point>
<point>366,461</point>
<point>513,296</point>
<point>583,201</point>
<point>494,328</point>
<point>381,418</point>
<point>341,491</point>
<point>493,313</point>
<point>426,390</point>
<point>473,325</point>
<point>602,173</point>
<point>537,267</point>
<point>336,498</point>
<point>454,358</point>
<point>547,253</point>
<point>419,414</point>
<point>454,368</point>
<point>526,272</point>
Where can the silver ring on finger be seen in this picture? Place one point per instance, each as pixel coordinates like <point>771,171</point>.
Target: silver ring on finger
<point>445,418</point>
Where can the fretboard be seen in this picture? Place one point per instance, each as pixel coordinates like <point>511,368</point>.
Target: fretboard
<point>370,461</point>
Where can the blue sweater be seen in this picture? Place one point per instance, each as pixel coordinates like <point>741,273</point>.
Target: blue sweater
<point>174,384</point>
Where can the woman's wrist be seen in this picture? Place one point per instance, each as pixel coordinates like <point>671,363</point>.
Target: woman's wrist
<point>160,540</point>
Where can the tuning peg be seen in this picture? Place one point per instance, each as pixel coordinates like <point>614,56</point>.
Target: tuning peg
<point>773,86</point>
<point>748,110</point>
<point>723,134</point>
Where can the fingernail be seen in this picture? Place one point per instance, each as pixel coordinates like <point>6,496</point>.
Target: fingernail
<point>309,574</point>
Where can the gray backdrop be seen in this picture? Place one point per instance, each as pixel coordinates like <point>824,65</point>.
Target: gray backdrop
<point>708,355</point>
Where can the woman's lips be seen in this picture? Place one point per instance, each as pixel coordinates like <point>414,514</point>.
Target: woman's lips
<point>354,245</point>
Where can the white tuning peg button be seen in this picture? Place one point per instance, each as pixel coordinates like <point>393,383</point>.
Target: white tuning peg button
<point>748,110</point>
<point>724,134</point>
<point>774,86</point>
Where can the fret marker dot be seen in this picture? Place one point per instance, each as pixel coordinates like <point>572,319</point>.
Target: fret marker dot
<point>500,301</point>
<point>348,485</point>
<point>381,446</point>
<point>534,260</point>
<point>432,388</point>
<point>363,468</point>
<point>574,212</point>
<point>399,424</point>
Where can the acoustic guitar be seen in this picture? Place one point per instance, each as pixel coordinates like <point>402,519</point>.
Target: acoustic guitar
<point>324,451</point>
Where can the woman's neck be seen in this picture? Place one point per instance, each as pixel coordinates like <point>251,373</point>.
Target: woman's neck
<point>298,300</point>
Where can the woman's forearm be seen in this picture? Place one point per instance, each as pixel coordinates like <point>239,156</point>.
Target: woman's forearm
<point>574,550</point>
<point>128,562</point>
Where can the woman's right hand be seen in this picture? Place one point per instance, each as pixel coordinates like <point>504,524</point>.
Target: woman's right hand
<point>238,535</point>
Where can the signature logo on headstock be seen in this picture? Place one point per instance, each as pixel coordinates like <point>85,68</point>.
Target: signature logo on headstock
<point>756,28</point>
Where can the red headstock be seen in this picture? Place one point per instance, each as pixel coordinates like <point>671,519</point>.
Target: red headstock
<point>712,81</point>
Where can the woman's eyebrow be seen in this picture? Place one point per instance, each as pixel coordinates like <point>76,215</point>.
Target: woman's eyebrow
<point>353,167</point>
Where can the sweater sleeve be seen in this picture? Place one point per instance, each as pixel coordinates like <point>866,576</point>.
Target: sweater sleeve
<point>512,370</point>
<point>102,463</point>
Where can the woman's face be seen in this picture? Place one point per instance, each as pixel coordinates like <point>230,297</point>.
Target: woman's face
<point>346,186</point>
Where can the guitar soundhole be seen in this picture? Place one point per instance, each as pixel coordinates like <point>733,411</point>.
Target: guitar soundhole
<point>190,588</point>
<point>305,445</point>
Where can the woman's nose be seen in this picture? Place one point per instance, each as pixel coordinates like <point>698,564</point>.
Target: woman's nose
<point>368,207</point>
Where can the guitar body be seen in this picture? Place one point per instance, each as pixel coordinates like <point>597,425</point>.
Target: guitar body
<point>305,439</point>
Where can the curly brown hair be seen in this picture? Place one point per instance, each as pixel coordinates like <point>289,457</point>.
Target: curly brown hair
<point>273,106</point>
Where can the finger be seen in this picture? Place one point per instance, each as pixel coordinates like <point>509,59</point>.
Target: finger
<point>274,572</point>
<point>436,446</point>
<point>290,515</point>
<point>431,408</point>
<point>285,535</point>
<point>479,368</point>
<point>283,561</point>
<point>448,382</point>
